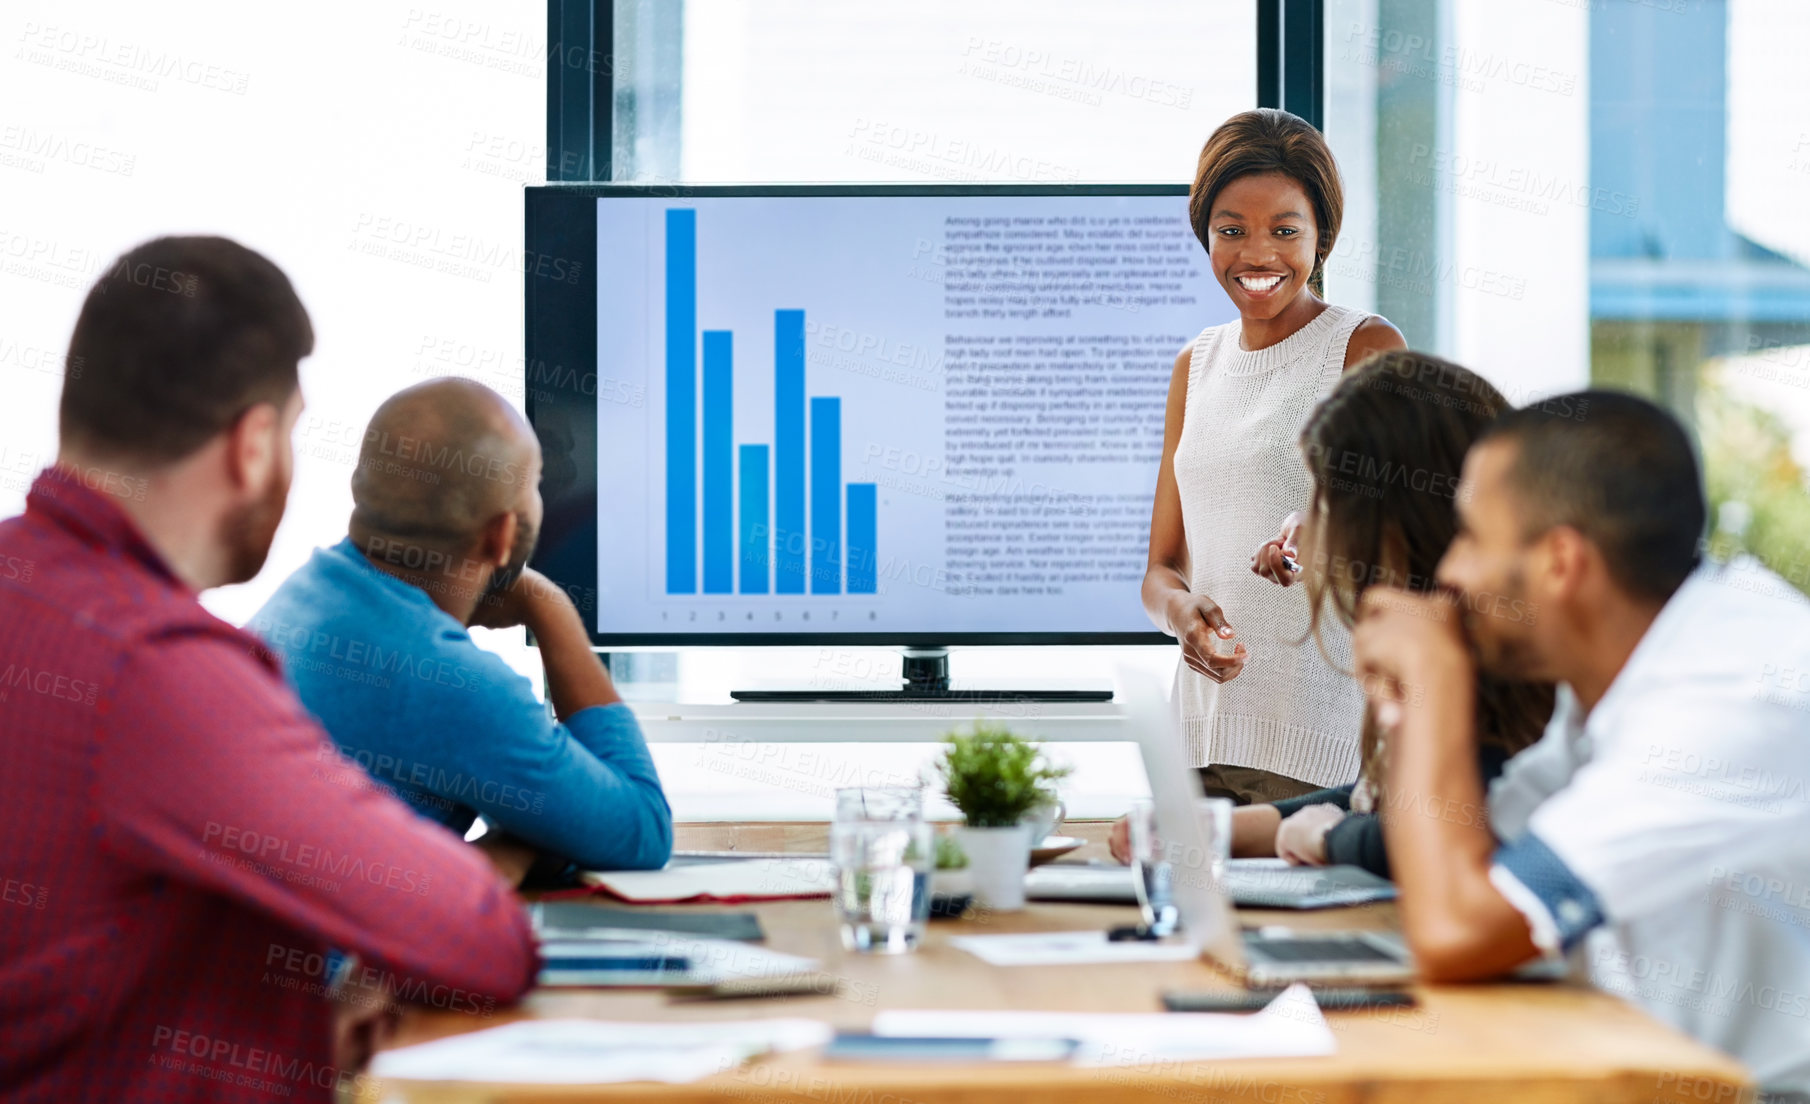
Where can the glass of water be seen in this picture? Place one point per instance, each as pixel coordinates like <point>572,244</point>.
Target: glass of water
<point>1151,869</point>
<point>880,845</point>
<point>1215,815</point>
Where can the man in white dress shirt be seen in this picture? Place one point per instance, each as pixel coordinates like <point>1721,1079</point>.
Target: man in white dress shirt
<point>1660,831</point>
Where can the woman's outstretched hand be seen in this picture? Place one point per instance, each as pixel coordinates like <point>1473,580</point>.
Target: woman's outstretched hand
<point>1272,558</point>
<point>1206,639</point>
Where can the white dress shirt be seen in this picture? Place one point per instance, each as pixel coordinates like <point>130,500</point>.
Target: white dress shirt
<point>1664,838</point>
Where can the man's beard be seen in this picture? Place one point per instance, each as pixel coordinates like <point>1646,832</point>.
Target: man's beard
<point>525,537</point>
<point>1511,658</point>
<point>1503,651</point>
<point>247,532</point>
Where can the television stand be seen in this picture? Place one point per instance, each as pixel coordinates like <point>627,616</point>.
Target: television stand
<point>926,672</point>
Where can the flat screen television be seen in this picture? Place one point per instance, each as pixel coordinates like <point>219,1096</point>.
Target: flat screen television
<point>900,415</point>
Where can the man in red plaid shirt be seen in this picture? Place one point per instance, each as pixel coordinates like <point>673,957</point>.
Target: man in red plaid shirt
<point>174,868</point>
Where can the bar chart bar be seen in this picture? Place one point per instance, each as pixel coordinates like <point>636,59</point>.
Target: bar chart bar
<point>758,518</point>
<point>788,452</point>
<point>681,401</point>
<point>826,495</point>
<point>719,456</point>
<point>757,537</point>
<point>862,513</point>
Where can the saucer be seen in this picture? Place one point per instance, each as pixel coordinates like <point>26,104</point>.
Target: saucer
<point>1054,847</point>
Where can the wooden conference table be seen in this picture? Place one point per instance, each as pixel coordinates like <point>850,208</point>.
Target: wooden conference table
<point>1480,1044</point>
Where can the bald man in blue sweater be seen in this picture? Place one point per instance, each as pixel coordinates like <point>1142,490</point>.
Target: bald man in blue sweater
<point>372,633</point>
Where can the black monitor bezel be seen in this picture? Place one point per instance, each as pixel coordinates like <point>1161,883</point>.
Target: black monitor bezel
<point>570,557</point>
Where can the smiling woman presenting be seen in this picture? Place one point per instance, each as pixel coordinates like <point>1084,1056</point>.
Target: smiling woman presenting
<point>1270,719</point>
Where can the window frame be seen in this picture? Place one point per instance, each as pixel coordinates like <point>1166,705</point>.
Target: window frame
<point>581,53</point>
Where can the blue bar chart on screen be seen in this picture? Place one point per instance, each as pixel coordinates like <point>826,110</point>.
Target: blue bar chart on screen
<point>886,415</point>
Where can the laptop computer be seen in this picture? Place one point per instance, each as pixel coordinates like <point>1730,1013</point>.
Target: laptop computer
<point>1261,959</point>
<point>1250,883</point>
<point>1274,884</point>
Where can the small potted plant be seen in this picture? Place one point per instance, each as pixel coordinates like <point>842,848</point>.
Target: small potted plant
<point>950,890</point>
<point>995,778</point>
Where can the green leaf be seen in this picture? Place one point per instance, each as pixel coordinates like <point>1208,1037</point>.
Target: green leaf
<point>949,854</point>
<point>994,776</point>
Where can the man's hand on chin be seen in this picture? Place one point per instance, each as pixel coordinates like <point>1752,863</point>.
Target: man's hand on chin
<point>513,605</point>
<point>1407,646</point>
<point>1420,678</point>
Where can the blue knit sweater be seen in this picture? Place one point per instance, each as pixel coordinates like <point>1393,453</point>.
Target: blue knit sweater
<point>451,728</point>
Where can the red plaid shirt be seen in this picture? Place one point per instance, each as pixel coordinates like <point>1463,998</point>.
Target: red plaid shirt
<point>179,846</point>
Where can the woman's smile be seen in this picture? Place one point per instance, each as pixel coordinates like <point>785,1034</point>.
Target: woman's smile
<point>1261,285</point>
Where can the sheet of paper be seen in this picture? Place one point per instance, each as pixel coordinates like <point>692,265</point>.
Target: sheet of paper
<point>741,880</point>
<point>1072,948</point>
<point>1290,1027</point>
<point>578,1052</point>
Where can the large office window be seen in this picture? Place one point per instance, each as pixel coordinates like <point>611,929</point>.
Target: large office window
<point>1608,192</point>
<point>1028,91</point>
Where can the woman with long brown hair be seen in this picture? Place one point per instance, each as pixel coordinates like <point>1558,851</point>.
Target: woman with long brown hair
<point>1383,452</point>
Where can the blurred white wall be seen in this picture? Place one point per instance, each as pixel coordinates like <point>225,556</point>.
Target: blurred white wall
<point>374,150</point>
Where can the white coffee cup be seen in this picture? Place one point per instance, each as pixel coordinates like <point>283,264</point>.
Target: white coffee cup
<point>1044,820</point>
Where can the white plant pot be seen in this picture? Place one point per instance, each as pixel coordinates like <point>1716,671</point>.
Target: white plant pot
<point>952,883</point>
<point>997,861</point>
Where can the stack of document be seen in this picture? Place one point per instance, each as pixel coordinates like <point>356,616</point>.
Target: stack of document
<point>580,1052</point>
<point>766,879</point>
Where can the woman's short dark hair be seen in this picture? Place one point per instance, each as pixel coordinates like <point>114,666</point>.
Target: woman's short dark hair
<point>175,341</point>
<point>1267,140</point>
<point>1386,449</point>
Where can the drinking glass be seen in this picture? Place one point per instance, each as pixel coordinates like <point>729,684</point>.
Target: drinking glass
<point>1202,868</point>
<point>1215,815</point>
<point>1151,869</point>
<point>880,845</point>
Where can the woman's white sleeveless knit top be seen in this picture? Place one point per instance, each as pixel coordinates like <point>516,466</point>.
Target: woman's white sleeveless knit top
<point>1239,472</point>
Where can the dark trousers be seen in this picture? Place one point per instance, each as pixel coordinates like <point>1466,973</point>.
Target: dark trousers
<point>1250,786</point>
